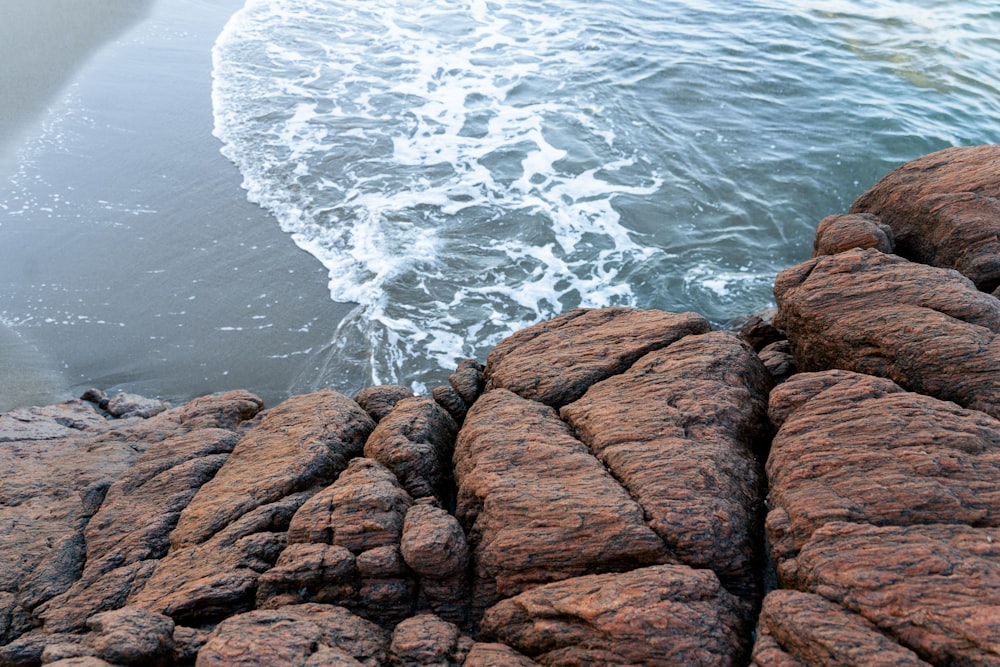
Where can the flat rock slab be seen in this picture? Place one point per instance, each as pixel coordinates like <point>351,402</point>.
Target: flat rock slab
<point>555,362</point>
<point>886,503</point>
<point>927,329</point>
<point>678,430</point>
<point>663,615</point>
<point>944,210</point>
<point>537,506</point>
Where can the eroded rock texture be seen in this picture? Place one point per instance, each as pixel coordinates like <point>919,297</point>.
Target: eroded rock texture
<point>927,329</point>
<point>843,232</point>
<point>555,362</point>
<point>886,503</point>
<point>944,211</point>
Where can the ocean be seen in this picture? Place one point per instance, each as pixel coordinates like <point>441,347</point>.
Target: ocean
<point>460,170</point>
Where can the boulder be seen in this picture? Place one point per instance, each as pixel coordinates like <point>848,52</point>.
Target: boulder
<point>380,400</point>
<point>779,360</point>
<point>492,654</point>
<point>425,639</point>
<point>126,405</point>
<point>434,546</point>
<point>306,635</point>
<point>943,209</point>
<point>927,329</point>
<point>664,615</point>
<point>415,441</point>
<point>537,506</point>
<point>555,362</point>
<point>843,232</point>
<point>759,331</point>
<point>680,430</point>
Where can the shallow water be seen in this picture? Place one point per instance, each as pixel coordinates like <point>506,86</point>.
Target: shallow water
<point>464,169</point>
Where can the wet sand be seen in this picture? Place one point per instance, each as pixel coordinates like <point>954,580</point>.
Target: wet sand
<point>130,258</point>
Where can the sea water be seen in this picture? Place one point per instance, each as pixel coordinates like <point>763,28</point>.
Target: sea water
<point>464,169</point>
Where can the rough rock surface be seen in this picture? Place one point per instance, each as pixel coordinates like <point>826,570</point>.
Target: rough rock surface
<point>415,441</point>
<point>886,503</point>
<point>663,615</point>
<point>927,329</point>
<point>846,231</point>
<point>679,431</point>
<point>425,639</point>
<point>555,362</point>
<point>528,489</point>
<point>306,635</point>
<point>944,210</point>
<point>492,654</point>
<point>379,401</point>
<point>125,405</point>
<point>433,545</point>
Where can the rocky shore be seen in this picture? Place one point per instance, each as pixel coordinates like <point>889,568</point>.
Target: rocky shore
<point>612,487</point>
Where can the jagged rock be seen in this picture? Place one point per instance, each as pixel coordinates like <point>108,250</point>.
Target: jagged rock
<point>434,546</point>
<point>927,329</point>
<point>555,362</point>
<point>381,400</point>
<point>427,640</point>
<point>842,232</point>
<point>132,528</point>
<point>759,330</point>
<point>943,209</point>
<point>489,654</point>
<point>303,443</point>
<point>125,405</point>
<point>536,505</point>
<point>804,629</point>
<point>886,503</point>
<point>303,635</point>
<point>360,517</point>
<point>779,360</point>
<point>415,441</point>
<point>679,431</point>
<point>663,615</point>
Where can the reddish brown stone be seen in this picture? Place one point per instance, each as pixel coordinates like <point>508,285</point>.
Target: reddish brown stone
<point>840,233</point>
<point>467,380</point>
<point>427,640</point>
<point>804,629</point>
<point>303,443</point>
<point>663,615</point>
<point>380,401</point>
<point>415,441</point>
<point>434,546</point>
<point>678,430</point>
<point>779,360</point>
<point>759,330</point>
<point>490,654</point>
<point>943,209</point>
<point>927,329</point>
<point>555,362</point>
<point>537,506</point>
<point>307,635</point>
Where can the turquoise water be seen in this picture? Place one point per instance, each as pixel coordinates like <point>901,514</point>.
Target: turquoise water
<point>464,169</point>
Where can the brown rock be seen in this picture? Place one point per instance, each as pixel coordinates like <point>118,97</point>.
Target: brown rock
<point>27,650</point>
<point>943,209</point>
<point>555,362</point>
<point>927,329</point>
<point>415,441</point>
<point>309,573</point>
<point>468,381</point>
<point>759,330</point>
<point>804,629</point>
<point>303,635</point>
<point>187,643</point>
<point>537,506</point>
<point>488,654</point>
<point>779,360</point>
<point>304,443</point>
<point>80,661</point>
<point>678,430</point>
<point>132,636</point>
<point>434,546</point>
<point>664,615</point>
<point>446,396</point>
<point>380,401</point>
<point>428,640</point>
<point>839,233</point>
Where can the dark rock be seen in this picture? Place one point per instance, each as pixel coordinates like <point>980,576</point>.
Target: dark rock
<point>449,399</point>
<point>415,441</point>
<point>779,360</point>
<point>944,211</point>
<point>27,650</point>
<point>804,629</point>
<point>555,362</point>
<point>536,505</point>
<point>305,635</point>
<point>759,330</point>
<point>380,401</point>
<point>93,395</point>
<point>843,232</point>
<point>187,643</point>
<point>132,636</point>
<point>664,615</point>
<point>428,640</point>
<point>679,431</point>
<point>125,405</point>
<point>468,381</point>
<point>927,329</point>
<point>304,443</point>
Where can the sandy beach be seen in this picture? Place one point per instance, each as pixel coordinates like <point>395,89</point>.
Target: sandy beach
<point>129,256</point>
